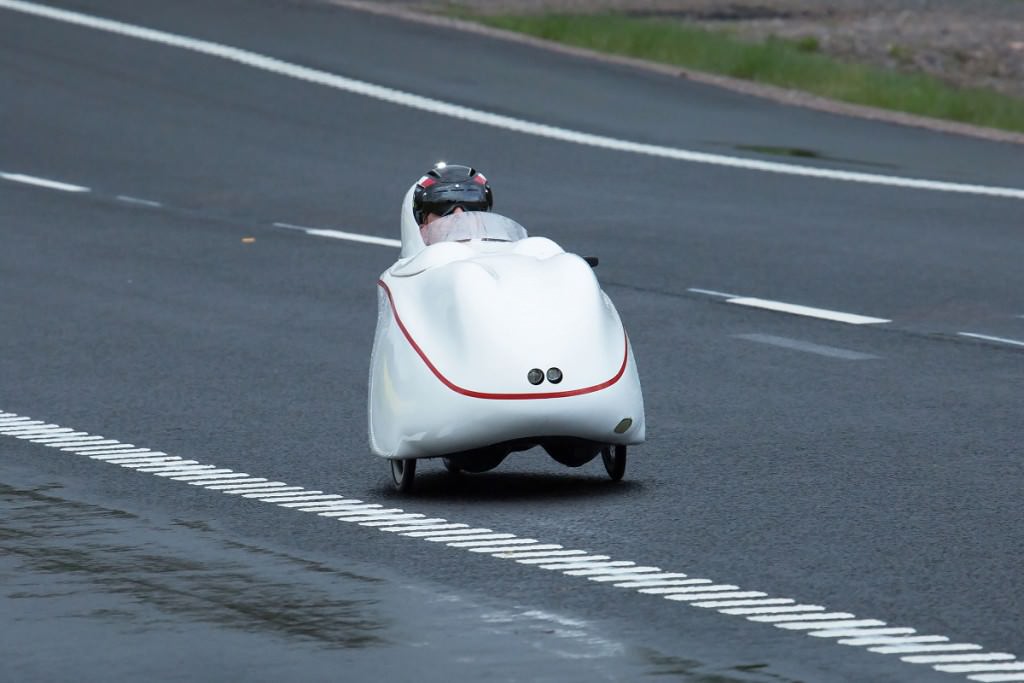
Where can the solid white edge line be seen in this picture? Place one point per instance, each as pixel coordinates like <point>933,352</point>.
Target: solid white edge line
<point>477,116</point>
<point>42,182</point>
<point>807,311</point>
<point>1001,340</point>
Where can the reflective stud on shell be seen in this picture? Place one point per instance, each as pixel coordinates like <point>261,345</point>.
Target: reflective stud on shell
<point>535,376</point>
<point>554,375</point>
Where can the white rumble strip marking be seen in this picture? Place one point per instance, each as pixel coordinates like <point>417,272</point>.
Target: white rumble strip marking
<point>812,620</point>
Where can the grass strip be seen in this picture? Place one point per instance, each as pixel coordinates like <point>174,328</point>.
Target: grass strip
<point>784,63</point>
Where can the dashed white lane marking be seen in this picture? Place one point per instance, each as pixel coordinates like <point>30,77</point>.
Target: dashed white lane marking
<point>42,182</point>
<point>711,292</point>
<point>784,613</point>
<point>341,235</point>
<point>806,347</point>
<point>1001,340</point>
<point>808,311</point>
<point>393,96</point>
<point>136,200</point>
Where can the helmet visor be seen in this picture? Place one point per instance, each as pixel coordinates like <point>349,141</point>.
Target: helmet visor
<point>443,200</point>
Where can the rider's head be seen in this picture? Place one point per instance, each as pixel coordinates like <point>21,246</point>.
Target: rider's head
<point>449,187</point>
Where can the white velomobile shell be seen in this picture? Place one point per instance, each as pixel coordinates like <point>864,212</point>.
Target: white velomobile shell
<point>461,324</point>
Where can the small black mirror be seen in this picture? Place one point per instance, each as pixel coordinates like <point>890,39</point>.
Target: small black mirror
<point>592,261</point>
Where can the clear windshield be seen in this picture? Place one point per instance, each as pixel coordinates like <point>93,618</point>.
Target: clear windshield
<point>472,225</point>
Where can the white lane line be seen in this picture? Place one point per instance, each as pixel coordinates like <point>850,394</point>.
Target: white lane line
<point>52,432</point>
<point>542,550</point>
<point>133,454</point>
<point>545,563</point>
<point>132,464</point>
<point>422,521</point>
<point>410,527</point>
<point>948,659</point>
<point>743,611</point>
<point>138,201</point>
<point>79,441</point>
<point>661,583</point>
<point>807,311</point>
<point>477,116</point>
<point>726,599</point>
<point>466,537</point>
<point>711,292</point>
<point>997,678</point>
<point>895,640</point>
<point>975,668</point>
<point>1001,340</point>
<point>904,649</point>
<point>463,532</point>
<point>341,235</point>
<point>779,619</point>
<point>806,347</point>
<point>501,543</point>
<point>30,426</point>
<point>63,437</point>
<point>86,450</point>
<point>42,182</point>
<point>861,632</point>
<point>243,485</point>
<point>696,589</point>
<point>732,595</point>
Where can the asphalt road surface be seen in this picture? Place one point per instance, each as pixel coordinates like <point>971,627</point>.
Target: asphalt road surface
<point>798,463</point>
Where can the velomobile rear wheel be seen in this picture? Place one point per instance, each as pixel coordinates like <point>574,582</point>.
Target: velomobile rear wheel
<point>451,466</point>
<point>614,458</point>
<point>402,473</point>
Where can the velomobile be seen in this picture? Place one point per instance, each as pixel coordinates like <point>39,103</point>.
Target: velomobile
<point>489,342</point>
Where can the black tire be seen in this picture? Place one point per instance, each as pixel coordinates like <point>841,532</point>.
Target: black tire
<point>403,472</point>
<point>614,461</point>
<point>451,466</point>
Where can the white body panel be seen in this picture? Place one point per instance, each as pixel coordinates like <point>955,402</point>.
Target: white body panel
<point>459,327</point>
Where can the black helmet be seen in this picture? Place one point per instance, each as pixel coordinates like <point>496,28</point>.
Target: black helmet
<point>447,187</point>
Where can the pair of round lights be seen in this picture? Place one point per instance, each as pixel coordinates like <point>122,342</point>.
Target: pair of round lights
<point>536,376</point>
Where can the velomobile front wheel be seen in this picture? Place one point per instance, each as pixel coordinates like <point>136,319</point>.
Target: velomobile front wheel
<point>402,473</point>
<point>614,458</point>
